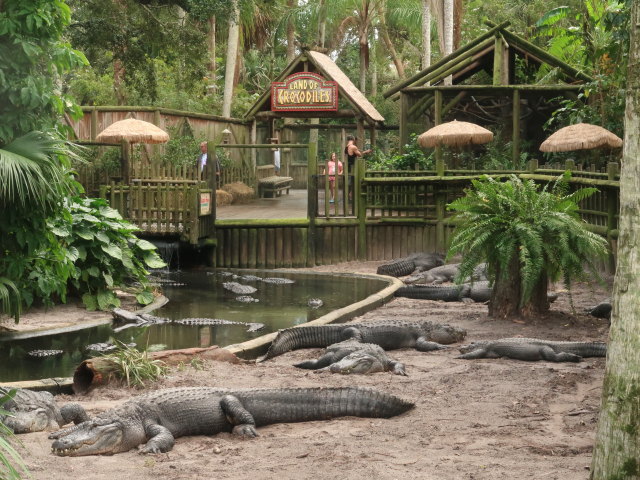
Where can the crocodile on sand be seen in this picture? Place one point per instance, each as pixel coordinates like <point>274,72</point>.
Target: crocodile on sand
<point>416,262</point>
<point>533,349</point>
<point>477,292</point>
<point>390,335</point>
<point>146,319</point>
<point>352,356</point>
<point>158,418</point>
<point>33,411</point>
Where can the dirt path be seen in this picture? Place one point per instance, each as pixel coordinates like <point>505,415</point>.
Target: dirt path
<point>481,419</point>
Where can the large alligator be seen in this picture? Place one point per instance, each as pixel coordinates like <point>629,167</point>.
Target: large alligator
<point>158,418</point>
<point>533,349</point>
<point>424,336</point>
<point>351,356</point>
<point>31,411</point>
<point>446,273</point>
<point>238,288</point>
<point>143,319</point>
<point>416,262</point>
<point>465,292</point>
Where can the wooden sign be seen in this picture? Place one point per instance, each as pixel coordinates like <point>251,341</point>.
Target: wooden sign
<point>304,92</point>
<point>205,203</point>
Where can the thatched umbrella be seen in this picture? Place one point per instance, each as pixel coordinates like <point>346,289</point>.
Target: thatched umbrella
<point>131,130</point>
<point>455,134</point>
<point>581,136</point>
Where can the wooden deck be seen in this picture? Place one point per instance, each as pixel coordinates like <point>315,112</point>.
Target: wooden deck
<point>293,205</point>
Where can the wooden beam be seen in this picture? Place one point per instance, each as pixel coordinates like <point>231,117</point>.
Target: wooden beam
<point>493,89</point>
<point>403,119</point>
<point>515,137</point>
<point>418,76</point>
<point>336,126</point>
<point>500,56</point>
<point>342,113</point>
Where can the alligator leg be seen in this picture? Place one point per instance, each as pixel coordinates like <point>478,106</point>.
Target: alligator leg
<point>397,368</point>
<point>547,353</point>
<point>478,353</point>
<point>423,345</point>
<point>73,412</point>
<point>160,439</point>
<point>352,332</point>
<point>241,419</point>
<point>324,361</point>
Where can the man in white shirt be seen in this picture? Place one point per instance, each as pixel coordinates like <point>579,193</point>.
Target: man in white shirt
<point>202,161</point>
<point>276,155</point>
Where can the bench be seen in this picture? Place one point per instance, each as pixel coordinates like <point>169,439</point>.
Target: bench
<point>274,186</point>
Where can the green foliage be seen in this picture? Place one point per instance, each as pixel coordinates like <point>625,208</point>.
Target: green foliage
<point>413,156</point>
<point>136,367</point>
<point>10,299</point>
<point>497,220</point>
<point>182,148</point>
<point>105,251</point>
<point>10,460</point>
<point>33,56</point>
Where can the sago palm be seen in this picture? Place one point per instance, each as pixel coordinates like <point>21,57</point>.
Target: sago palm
<point>527,235</point>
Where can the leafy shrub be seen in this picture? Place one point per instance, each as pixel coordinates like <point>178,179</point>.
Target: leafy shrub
<point>105,251</point>
<point>9,458</point>
<point>414,155</point>
<point>135,366</point>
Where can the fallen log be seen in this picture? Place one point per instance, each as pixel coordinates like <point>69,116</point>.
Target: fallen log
<point>98,371</point>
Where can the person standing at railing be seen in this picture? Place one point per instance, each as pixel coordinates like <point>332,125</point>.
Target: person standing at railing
<point>276,155</point>
<point>352,152</point>
<point>332,164</point>
<point>202,161</point>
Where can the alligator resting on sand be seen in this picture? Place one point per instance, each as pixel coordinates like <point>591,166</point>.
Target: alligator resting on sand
<point>390,335</point>
<point>416,262</point>
<point>158,418</point>
<point>352,356</point>
<point>466,292</point>
<point>32,411</point>
<point>146,319</point>
<point>533,349</point>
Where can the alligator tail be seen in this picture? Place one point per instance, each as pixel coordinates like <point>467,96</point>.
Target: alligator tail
<point>431,292</point>
<point>303,337</point>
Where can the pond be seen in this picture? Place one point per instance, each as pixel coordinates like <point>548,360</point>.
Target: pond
<point>196,294</point>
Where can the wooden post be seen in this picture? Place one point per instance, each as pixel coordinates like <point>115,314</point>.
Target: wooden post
<point>437,118</point>
<point>515,138</point>
<point>533,165</point>
<point>254,135</point>
<point>570,165</point>
<point>126,161</point>
<point>312,202</point>
<point>94,124</point>
<point>403,120</point>
<point>361,206</point>
<point>440,211</point>
<point>500,61</point>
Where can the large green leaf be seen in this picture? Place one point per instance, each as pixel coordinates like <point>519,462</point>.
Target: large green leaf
<point>145,244</point>
<point>153,261</point>
<point>112,250</point>
<point>145,297</point>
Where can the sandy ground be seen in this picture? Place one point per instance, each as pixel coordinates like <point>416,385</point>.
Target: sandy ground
<point>479,419</point>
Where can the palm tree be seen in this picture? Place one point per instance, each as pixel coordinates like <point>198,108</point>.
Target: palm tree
<point>526,237</point>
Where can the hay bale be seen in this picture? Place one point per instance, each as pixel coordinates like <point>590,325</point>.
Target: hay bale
<point>240,192</point>
<point>223,198</point>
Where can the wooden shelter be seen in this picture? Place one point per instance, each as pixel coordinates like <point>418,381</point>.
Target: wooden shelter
<point>486,89</point>
<point>352,104</point>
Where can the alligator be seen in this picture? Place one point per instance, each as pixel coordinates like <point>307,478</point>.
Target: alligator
<point>239,289</point>
<point>424,336</point>
<point>315,302</point>
<point>31,411</point>
<point>441,274</point>
<point>44,353</point>
<point>533,349</point>
<point>351,356</point>
<point>602,310</point>
<point>146,319</point>
<point>246,299</point>
<point>416,262</point>
<point>466,292</point>
<point>159,417</point>
<point>278,281</point>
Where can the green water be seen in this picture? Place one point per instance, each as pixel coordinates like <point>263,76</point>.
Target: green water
<point>195,294</point>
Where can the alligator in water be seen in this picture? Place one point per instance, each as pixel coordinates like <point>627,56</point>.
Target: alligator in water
<point>31,411</point>
<point>416,262</point>
<point>44,353</point>
<point>352,356</point>
<point>158,418</point>
<point>393,334</point>
<point>278,281</point>
<point>239,289</point>
<point>533,349</point>
<point>466,292</point>
<point>246,299</point>
<point>146,319</point>
<point>315,302</point>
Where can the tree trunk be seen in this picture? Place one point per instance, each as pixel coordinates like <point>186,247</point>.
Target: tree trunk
<point>291,35</point>
<point>322,23</point>
<point>505,296</point>
<point>364,54</point>
<point>118,81</point>
<point>448,33</point>
<point>426,33</point>
<point>211,41</point>
<point>458,13</point>
<point>232,52</point>
<point>617,450</point>
<point>391,49</point>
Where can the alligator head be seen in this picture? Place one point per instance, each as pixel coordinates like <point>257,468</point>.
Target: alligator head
<point>357,362</point>
<point>99,436</point>
<point>31,412</point>
<point>446,334</point>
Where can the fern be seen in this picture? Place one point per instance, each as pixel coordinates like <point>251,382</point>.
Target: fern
<point>540,225</point>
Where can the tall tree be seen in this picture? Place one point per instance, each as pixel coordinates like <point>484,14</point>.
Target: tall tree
<point>448,32</point>
<point>426,33</point>
<point>617,449</point>
<point>232,54</point>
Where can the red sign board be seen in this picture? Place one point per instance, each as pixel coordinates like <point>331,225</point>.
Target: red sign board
<point>304,92</point>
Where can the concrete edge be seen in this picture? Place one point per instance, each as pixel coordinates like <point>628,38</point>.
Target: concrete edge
<point>257,346</point>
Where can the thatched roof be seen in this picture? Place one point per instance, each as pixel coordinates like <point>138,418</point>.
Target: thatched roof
<point>134,131</point>
<point>322,64</point>
<point>581,136</point>
<point>455,134</point>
